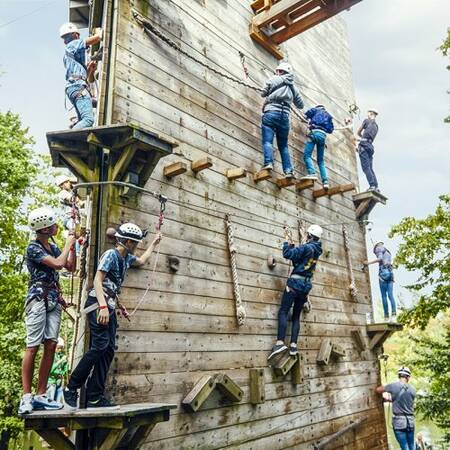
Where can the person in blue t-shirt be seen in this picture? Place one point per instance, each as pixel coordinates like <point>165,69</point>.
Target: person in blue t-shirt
<point>304,259</point>
<point>94,365</point>
<point>77,72</point>
<point>320,124</point>
<point>43,305</point>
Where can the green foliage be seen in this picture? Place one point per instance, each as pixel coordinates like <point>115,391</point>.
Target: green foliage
<point>445,49</point>
<point>426,250</point>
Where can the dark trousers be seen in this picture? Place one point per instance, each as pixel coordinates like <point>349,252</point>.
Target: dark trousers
<point>94,365</point>
<point>298,299</point>
<point>366,152</point>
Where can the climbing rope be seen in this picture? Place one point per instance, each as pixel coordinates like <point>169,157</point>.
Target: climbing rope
<point>240,310</point>
<point>352,287</point>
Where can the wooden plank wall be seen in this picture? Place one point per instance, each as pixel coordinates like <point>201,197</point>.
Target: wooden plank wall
<point>186,328</point>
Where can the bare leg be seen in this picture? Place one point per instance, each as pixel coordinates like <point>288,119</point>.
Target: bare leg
<point>46,365</point>
<point>28,368</point>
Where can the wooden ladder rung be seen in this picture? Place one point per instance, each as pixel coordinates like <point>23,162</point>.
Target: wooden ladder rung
<point>234,174</point>
<point>201,164</point>
<point>174,169</point>
<point>262,175</point>
<point>285,182</point>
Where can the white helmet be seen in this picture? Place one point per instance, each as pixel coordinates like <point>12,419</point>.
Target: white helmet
<point>129,231</point>
<point>67,28</point>
<point>315,230</point>
<point>404,372</point>
<point>41,218</point>
<point>60,342</point>
<point>61,179</point>
<point>373,110</point>
<point>285,67</point>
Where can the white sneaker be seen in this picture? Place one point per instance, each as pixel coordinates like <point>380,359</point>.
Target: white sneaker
<point>26,404</point>
<point>41,402</point>
<point>309,177</point>
<point>393,318</point>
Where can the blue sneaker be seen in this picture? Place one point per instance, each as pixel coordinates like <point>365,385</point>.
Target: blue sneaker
<point>26,404</point>
<point>42,402</point>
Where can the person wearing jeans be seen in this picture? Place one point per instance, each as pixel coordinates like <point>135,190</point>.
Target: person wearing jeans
<point>386,279</point>
<point>280,92</point>
<point>320,124</point>
<point>304,259</point>
<point>402,395</point>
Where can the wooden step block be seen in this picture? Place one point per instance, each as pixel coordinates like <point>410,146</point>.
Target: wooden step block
<point>297,371</point>
<point>257,386</point>
<point>338,350</point>
<point>340,189</point>
<point>234,174</point>
<point>262,175</point>
<point>229,388</point>
<point>285,182</point>
<point>285,364</point>
<point>201,164</point>
<point>174,169</point>
<point>199,394</point>
<point>325,352</point>
<point>304,184</point>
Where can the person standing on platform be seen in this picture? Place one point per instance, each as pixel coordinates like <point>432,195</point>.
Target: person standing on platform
<point>304,259</point>
<point>280,92</point>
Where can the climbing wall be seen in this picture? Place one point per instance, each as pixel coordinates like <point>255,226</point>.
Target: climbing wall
<point>186,328</point>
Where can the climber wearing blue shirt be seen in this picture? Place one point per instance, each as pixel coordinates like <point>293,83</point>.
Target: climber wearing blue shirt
<point>77,72</point>
<point>320,124</point>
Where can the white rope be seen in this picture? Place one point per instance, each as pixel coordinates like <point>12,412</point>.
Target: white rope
<point>352,287</point>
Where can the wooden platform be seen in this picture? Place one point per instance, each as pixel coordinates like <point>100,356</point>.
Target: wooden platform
<point>379,332</point>
<point>110,428</point>
<point>132,149</point>
<point>365,202</point>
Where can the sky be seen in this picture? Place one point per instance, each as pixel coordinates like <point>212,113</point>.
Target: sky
<point>397,70</point>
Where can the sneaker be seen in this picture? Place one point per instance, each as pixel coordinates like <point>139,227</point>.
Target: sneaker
<point>386,318</point>
<point>293,350</point>
<point>101,402</point>
<point>267,167</point>
<point>276,349</point>
<point>289,175</point>
<point>393,318</point>
<point>70,399</point>
<point>26,404</point>
<point>371,189</point>
<point>42,402</point>
<point>326,185</point>
<point>309,177</point>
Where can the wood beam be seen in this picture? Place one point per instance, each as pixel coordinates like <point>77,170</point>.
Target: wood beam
<point>297,371</point>
<point>265,42</point>
<point>340,189</point>
<point>257,386</point>
<point>284,364</point>
<point>56,439</point>
<point>201,164</point>
<point>285,182</point>
<point>199,394</point>
<point>234,174</point>
<point>359,339</point>
<point>304,184</point>
<point>78,167</point>
<point>174,169</point>
<point>324,354</point>
<point>277,11</point>
<point>262,175</point>
<point>122,164</point>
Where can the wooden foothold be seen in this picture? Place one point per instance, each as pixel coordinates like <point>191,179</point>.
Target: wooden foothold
<point>325,352</point>
<point>359,339</point>
<point>297,371</point>
<point>234,174</point>
<point>340,189</point>
<point>285,182</point>
<point>271,262</point>
<point>199,394</point>
<point>284,364</point>
<point>262,175</point>
<point>257,386</point>
<point>365,201</point>
<point>176,168</point>
<point>338,350</point>
<point>229,388</point>
<point>304,184</point>
<point>201,164</point>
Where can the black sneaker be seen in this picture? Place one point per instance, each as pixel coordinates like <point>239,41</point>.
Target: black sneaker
<point>276,349</point>
<point>101,402</point>
<point>70,399</point>
<point>293,350</point>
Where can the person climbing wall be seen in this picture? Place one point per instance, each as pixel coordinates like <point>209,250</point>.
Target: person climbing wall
<point>77,72</point>
<point>94,365</point>
<point>280,92</point>
<point>386,278</point>
<point>43,305</point>
<point>366,135</point>
<point>320,124</point>
<point>304,258</point>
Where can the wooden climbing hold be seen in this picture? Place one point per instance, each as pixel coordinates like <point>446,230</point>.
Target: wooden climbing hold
<point>359,339</point>
<point>234,174</point>
<point>297,371</point>
<point>201,164</point>
<point>327,350</point>
<point>199,394</point>
<point>284,364</point>
<point>257,386</point>
<point>271,262</point>
<point>229,388</point>
<point>176,168</point>
<point>304,184</point>
<point>340,189</point>
<point>285,182</point>
<point>262,175</point>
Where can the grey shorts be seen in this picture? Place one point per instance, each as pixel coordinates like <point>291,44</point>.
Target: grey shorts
<point>42,325</point>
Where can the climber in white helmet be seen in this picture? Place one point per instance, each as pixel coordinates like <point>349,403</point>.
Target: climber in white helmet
<point>43,305</point>
<point>304,258</point>
<point>280,92</point>
<point>77,72</point>
<point>94,365</point>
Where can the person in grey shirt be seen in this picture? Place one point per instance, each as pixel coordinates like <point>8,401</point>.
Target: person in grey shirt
<point>402,395</point>
<point>279,93</point>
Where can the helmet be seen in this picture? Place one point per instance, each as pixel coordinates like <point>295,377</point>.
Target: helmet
<point>285,67</point>
<point>41,218</point>
<point>404,372</point>
<point>68,28</point>
<point>129,231</point>
<point>315,230</point>
<point>61,179</point>
<point>377,244</point>
<point>373,110</point>
<point>60,342</point>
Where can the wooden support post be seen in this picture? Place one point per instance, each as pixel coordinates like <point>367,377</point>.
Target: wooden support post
<point>340,189</point>
<point>123,163</point>
<point>262,175</point>
<point>304,184</point>
<point>297,371</point>
<point>285,364</point>
<point>198,395</point>
<point>234,174</point>
<point>257,386</point>
<point>174,169</point>
<point>201,164</point>
<point>325,352</point>
<point>285,182</point>
<point>361,210</point>
<point>229,388</point>
<point>359,339</point>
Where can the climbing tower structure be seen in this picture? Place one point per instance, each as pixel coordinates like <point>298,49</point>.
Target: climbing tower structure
<point>178,115</point>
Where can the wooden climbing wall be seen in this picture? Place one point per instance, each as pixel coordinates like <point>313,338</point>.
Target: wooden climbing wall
<point>187,328</point>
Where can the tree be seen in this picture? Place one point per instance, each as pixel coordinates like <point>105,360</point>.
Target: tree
<point>445,49</point>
